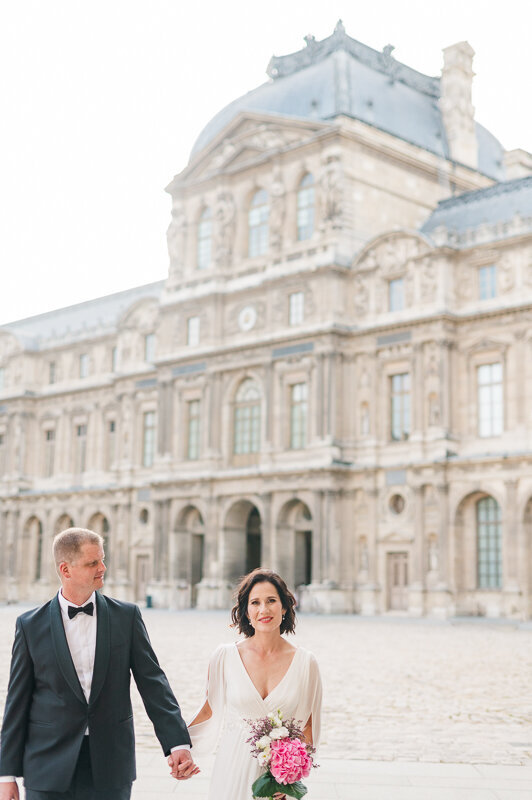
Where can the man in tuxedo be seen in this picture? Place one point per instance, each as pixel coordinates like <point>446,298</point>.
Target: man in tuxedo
<point>68,720</point>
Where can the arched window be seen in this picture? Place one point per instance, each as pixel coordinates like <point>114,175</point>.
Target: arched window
<point>258,224</point>
<point>205,239</point>
<point>247,418</point>
<point>489,544</point>
<point>305,208</point>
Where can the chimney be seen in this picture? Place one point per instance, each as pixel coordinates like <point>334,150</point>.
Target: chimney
<point>455,103</point>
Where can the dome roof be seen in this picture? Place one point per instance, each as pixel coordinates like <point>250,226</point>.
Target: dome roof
<point>341,76</point>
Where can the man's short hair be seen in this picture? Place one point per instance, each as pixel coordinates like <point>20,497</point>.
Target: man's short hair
<point>67,544</point>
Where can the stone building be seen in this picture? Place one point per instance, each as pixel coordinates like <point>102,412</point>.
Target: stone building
<point>334,380</point>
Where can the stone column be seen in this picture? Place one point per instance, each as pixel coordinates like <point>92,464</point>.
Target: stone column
<point>417,587</point>
<point>268,540</point>
<point>510,544</point>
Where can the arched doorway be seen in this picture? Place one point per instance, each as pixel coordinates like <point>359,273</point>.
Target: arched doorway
<point>189,554</point>
<point>62,523</point>
<point>100,524</point>
<point>242,540</point>
<point>478,554</point>
<point>294,542</point>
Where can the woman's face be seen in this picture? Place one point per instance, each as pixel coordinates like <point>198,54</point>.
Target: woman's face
<point>265,610</point>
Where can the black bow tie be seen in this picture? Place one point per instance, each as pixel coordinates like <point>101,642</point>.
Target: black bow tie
<point>73,610</point>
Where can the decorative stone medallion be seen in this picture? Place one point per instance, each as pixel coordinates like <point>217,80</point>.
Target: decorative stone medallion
<point>247,318</point>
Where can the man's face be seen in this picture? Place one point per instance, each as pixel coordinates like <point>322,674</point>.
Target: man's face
<point>85,573</point>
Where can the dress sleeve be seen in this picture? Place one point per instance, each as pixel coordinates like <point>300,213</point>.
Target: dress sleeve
<point>315,697</point>
<point>205,734</point>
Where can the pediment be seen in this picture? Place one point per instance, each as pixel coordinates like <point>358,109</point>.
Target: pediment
<point>391,250</point>
<point>397,538</point>
<point>140,315</point>
<point>246,138</point>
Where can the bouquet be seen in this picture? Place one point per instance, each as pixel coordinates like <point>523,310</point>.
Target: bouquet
<point>279,746</point>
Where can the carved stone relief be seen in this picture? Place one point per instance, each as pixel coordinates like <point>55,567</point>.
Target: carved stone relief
<point>428,280</point>
<point>224,231</point>
<point>505,274</point>
<point>176,237</point>
<point>331,185</point>
<point>277,211</point>
<point>361,295</point>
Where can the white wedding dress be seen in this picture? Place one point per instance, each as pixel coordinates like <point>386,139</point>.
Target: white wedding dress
<point>233,698</point>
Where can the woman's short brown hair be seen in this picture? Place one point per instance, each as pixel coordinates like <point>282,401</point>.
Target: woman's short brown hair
<point>239,612</point>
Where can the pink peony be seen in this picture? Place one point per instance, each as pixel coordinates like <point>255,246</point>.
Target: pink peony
<point>289,760</point>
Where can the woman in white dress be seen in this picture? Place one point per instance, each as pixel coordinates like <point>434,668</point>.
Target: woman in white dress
<point>256,676</point>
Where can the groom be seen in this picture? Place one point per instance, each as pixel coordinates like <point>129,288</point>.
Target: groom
<point>68,721</point>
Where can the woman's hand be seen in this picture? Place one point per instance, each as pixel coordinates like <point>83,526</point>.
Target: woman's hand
<point>279,796</point>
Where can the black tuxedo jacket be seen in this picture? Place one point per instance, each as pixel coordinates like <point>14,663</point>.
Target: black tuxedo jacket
<point>46,713</point>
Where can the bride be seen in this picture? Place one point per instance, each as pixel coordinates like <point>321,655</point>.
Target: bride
<point>256,676</point>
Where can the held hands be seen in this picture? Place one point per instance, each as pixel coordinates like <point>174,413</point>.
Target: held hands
<point>9,791</point>
<point>181,765</point>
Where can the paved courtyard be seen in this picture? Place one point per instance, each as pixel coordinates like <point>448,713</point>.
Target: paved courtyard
<point>395,690</point>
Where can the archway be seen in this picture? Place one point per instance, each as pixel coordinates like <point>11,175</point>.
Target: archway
<point>242,540</point>
<point>294,542</point>
<point>189,555</point>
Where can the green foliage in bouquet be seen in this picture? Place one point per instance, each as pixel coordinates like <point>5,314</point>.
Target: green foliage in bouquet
<point>266,786</point>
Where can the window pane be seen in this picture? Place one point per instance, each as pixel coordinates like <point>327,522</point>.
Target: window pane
<point>396,301</point>
<point>296,308</point>
<point>149,347</point>
<point>400,406</point>
<point>193,430</point>
<point>489,544</point>
<point>490,399</point>
<point>148,450</point>
<point>193,331</point>
<point>258,224</point>
<point>305,208</point>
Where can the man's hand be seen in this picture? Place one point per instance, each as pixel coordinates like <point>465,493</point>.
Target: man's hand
<point>9,791</point>
<point>181,766</point>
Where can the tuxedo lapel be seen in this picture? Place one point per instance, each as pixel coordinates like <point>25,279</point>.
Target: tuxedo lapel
<point>62,651</point>
<point>103,647</point>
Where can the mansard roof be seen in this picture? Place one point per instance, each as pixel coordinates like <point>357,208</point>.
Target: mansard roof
<point>341,76</point>
<point>81,321</point>
<point>497,204</point>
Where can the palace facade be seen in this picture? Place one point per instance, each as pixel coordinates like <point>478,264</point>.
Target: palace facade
<point>335,380</point>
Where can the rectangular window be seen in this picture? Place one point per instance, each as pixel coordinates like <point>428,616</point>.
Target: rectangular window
<point>149,348</point>
<point>81,448</point>
<point>193,331</point>
<point>111,443</point>
<point>298,416</point>
<point>487,282</point>
<point>193,445</point>
<point>49,453</point>
<point>148,439</point>
<point>83,365</point>
<point>490,399</point>
<point>114,359</point>
<point>51,372</point>
<point>296,308</point>
<point>396,294</point>
<point>400,406</point>
<point>2,379</point>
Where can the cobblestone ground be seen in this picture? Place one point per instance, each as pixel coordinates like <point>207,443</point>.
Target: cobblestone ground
<point>394,689</point>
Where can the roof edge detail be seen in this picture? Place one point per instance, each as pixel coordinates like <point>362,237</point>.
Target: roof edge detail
<point>384,62</point>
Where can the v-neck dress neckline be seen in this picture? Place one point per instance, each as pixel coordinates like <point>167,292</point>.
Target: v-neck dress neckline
<point>264,699</point>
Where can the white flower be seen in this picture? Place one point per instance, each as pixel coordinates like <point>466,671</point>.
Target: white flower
<point>279,733</point>
<point>263,742</point>
<point>264,758</point>
<point>276,719</point>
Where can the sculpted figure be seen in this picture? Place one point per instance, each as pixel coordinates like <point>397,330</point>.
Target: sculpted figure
<point>277,210</point>
<point>175,236</point>
<point>224,215</point>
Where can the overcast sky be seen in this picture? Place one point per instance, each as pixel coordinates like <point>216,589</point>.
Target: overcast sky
<point>101,101</point>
